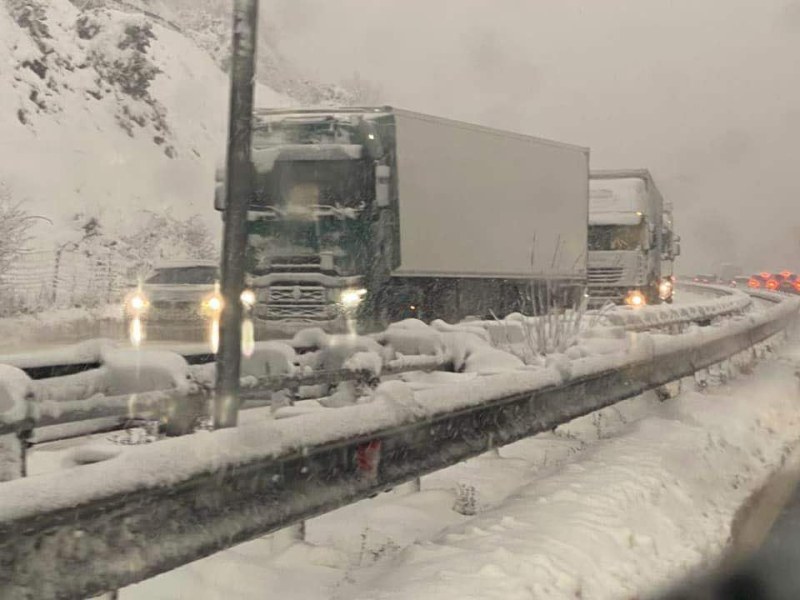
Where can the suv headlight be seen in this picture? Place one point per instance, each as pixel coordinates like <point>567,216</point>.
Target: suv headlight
<point>213,304</point>
<point>137,304</point>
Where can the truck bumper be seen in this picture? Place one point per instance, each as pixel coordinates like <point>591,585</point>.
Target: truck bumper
<point>599,297</point>
<point>309,298</point>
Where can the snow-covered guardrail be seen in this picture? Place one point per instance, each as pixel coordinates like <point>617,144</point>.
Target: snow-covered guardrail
<point>90,399</point>
<point>726,302</point>
<point>161,404</point>
<point>89,355</point>
<point>165,504</point>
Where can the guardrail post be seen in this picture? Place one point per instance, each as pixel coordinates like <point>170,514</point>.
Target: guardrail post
<point>184,413</point>
<point>701,377</point>
<point>12,457</point>
<point>15,411</point>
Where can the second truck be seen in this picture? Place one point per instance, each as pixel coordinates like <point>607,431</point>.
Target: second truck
<point>632,245</point>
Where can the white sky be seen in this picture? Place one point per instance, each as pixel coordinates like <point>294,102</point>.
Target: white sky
<point>705,93</point>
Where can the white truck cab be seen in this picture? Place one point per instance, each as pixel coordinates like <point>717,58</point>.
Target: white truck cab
<point>626,239</point>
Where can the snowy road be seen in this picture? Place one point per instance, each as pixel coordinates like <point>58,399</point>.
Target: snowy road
<point>608,506</point>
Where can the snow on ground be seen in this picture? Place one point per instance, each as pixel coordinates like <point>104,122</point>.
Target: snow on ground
<point>609,506</point>
<point>46,331</point>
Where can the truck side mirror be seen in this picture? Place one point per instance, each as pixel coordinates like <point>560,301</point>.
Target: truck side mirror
<point>220,182</point>
<point>649,236</point>
<point>676,247</point>
<point>382,180</point>
<point>219,195</point>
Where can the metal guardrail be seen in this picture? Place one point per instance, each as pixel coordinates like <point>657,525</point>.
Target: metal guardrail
<point>163,403</point>
<point>49,366</point>
<point>158,404</point>
<point>173,502</point>
<point>669,315</point>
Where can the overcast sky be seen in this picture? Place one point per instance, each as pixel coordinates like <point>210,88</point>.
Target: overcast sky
<point>704,93</point>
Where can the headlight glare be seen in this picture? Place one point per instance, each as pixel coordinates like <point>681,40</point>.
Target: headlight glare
<point>213,304</point>
<point>635,299</point>
<point>137,303</point>
<point>352,298</point>
<point>248,298</point>
<point>665,289</point>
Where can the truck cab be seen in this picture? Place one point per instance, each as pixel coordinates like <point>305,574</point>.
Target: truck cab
<point>625,243</point>
<point>317,178</point>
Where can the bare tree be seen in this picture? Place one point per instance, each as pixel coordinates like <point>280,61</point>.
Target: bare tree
<point>15,226</point>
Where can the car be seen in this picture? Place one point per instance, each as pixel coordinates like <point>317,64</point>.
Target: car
<point>791,284</point>
<point>177,291</point>
<point>765,281</point>
<point>706,279</point>
<point>740,281</point>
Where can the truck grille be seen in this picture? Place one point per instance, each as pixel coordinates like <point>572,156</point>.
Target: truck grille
<point>297,294</point>
<point>295,311</point>
<point>174,311</point>
<point>604,275</point>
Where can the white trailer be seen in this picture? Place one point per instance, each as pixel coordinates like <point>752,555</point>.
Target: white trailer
<point>478,202</point>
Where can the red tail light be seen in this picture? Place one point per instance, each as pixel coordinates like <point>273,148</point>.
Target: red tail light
<point>753,283</point>
<point>772,284</point>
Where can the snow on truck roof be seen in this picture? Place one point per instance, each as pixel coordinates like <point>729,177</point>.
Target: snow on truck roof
<point>617,195</point>
<point>299,115</point>
<point>185,264</point>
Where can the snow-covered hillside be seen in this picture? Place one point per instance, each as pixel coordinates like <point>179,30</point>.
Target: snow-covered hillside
<point>107,113</point>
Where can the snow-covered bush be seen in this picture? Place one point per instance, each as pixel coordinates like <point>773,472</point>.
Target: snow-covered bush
<point>30,15</point>
<point>128,66</point>
<point>119,51</point>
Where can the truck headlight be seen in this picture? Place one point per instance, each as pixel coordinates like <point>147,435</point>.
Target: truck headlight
<point>665,289</point>
<point>636,299</point>
<point>137,303</point>
<point>352,298</point>
<point>248,298</point>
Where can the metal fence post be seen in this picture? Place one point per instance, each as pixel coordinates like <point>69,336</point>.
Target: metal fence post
<point>237,200</point>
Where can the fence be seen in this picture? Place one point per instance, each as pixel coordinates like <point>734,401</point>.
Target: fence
<point>48,279</point>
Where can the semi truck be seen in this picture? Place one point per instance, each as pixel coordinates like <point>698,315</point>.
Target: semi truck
<point>631,241</point>
<point>377,214</point>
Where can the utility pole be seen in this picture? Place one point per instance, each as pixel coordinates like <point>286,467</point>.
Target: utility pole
<point>238,194</point>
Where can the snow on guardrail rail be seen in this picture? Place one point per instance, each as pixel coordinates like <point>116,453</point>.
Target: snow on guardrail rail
<point>155,507</point>
<point>727,301</point>
<point>41,364</point>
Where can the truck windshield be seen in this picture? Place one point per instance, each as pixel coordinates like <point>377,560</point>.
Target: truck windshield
<point>322,131</point>
<point>300,186</point>
<point>185,275</point>
<point>615,237</point>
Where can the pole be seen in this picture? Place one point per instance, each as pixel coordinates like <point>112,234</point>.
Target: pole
<point>237,201</point>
